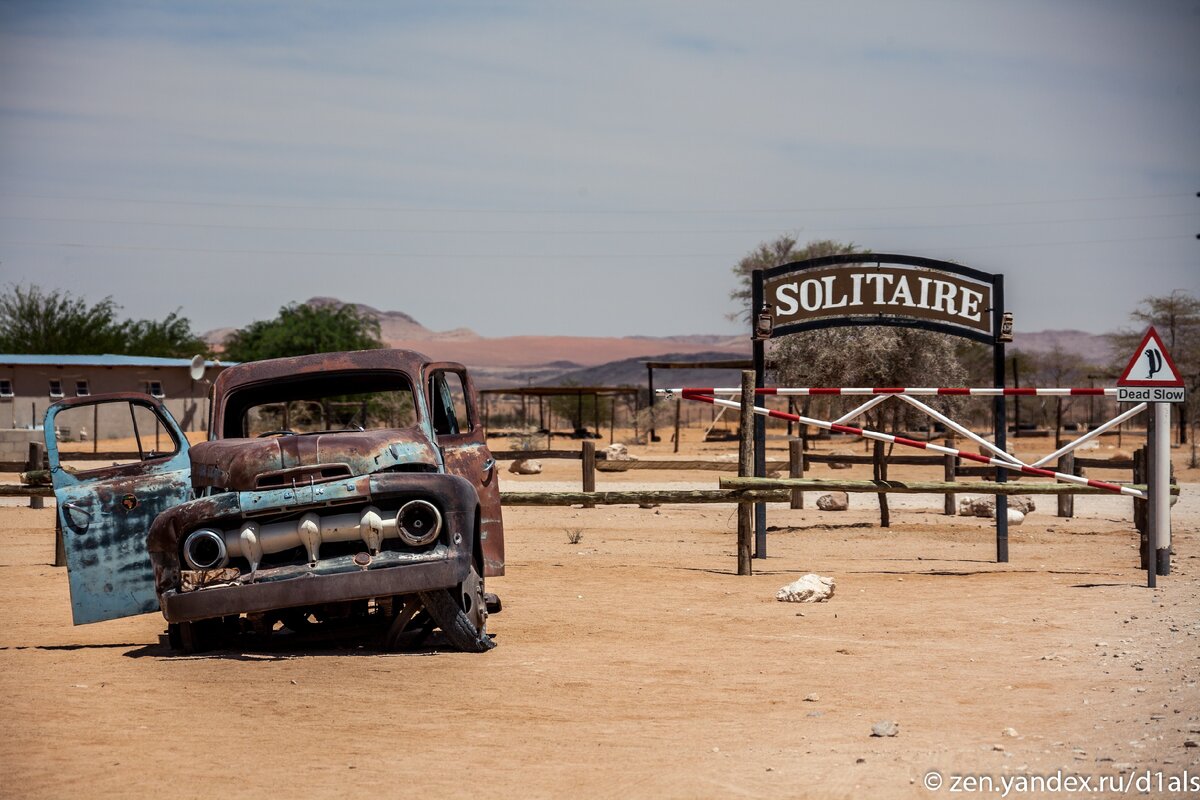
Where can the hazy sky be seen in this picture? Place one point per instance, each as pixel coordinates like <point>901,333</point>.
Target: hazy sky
<point>592,168</point>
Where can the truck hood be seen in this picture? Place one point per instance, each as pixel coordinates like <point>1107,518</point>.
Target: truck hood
<point>278,461</point>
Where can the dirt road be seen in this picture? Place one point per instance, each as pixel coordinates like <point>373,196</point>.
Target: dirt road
<point>635,663</point>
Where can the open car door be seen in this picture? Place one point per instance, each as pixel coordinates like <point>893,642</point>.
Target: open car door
<point>453,408</point>
<point>106,512</point>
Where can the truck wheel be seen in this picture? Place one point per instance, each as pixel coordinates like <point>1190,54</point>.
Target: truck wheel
<point>192,637</point>
<point>461,614</point>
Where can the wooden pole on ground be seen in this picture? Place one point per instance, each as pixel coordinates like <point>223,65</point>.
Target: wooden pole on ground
<point>34,461</point>
<point>1066,502</point>
<point>796,469</point>
<point>589,469</point>
<point>746,470</point>
<point>879,467</point>
<point>948,475</point>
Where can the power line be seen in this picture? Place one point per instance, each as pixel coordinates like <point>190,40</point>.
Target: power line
<point>522,256</point>
<point>597,212</point>
<point>572,232</point>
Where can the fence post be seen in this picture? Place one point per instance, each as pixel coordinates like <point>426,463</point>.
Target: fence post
<point>678,411</point>
<point>879,469</point>
<point>1141,508</point>
<point>60,547</point>
<point>796,469</point>
<point>950,508</point>
<point>746,470</point>
<point>36,457</point>
<point>589,469</point>
<point>1066,502</point>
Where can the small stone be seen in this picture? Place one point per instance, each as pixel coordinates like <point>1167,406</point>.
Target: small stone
<point>1191,743</point>
<point>840,464</point>
<point>1010,732</point>
<point>860,761</point>
<point>999,748</point>
<point>525,466</point>
<point>834,501</point>
<point>812,698</point>
<point>885,728</point>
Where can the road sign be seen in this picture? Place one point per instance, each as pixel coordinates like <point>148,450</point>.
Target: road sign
<point>1151,394</point>
<point>1151,375</point>
<point>1151,366</point>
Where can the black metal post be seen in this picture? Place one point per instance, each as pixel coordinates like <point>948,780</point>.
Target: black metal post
<point>760,426</point>
<point>650,380</point>
<point>1001,422</point>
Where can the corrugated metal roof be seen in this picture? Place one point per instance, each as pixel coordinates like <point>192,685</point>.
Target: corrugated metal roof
<point>106,360</point>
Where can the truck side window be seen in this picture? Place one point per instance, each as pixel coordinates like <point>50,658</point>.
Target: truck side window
<point>449,400</point>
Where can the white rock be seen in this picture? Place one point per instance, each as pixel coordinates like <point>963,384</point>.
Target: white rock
<point>1015,517</point>
<point>985,506</point>
<point>808,589</point>
<point>885,728</point>
<point>526,466</point>
<point>1023,503</point>
<point>618,452</point>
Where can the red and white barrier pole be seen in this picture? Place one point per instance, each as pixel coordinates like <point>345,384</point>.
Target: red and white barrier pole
<point>950,451</point>
<point>815,391</point>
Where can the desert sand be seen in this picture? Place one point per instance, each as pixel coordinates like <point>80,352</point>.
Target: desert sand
<point>636,663</point>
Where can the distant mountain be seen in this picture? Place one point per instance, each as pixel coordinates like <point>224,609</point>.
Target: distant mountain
<point>1095,349</point>
<point>613,360</point>
<point>519,360</point>
<point>632,372</point>
<point>398,326</point>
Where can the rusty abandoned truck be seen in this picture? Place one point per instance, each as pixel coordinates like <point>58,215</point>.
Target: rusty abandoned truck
<point>340,490</point>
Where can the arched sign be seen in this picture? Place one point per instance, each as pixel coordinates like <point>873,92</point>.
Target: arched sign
<point>880,289</point>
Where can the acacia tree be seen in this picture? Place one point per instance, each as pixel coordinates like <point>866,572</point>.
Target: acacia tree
<point>1055,367</point>
<point>1176,317</point>
<point>774,254</point>
<point>35,320</point>
<point>302,329</point>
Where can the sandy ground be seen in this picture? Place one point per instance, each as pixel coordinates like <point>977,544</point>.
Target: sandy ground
<point>636,663</point>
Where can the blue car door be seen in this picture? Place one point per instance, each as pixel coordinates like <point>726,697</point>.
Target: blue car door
<point>106,512</point>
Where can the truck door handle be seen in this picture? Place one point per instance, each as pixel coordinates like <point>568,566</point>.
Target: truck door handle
<point>85,514</point>
<point>488,466</point>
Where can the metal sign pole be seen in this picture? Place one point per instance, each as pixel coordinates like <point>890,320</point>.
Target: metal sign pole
<point>1160,486</point>
<point>1152,508</point>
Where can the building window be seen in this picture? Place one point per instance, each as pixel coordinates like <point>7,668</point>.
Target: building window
<point>6,389</point>
<point>81,389</point>
<point>154,389</point>
<point>56,389</point>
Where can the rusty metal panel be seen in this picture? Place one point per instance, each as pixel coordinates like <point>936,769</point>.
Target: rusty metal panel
<point>467,454</point>
<point>106,515</point>
<point>242,464</point>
